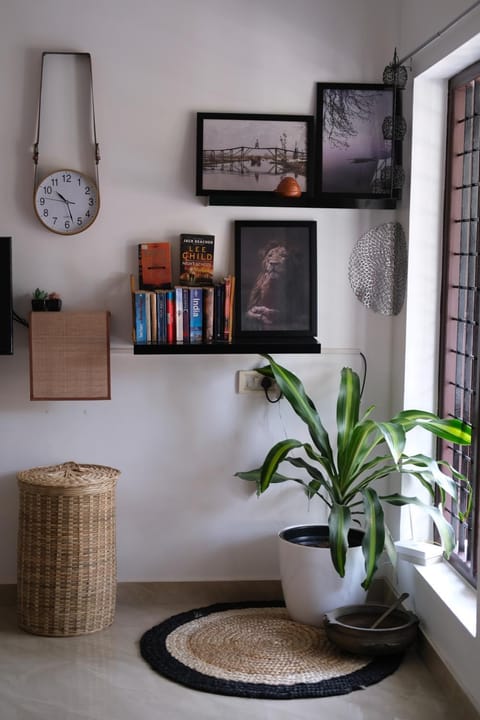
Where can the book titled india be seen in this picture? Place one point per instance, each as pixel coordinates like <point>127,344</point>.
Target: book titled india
<point>196,314</point>
<point>154,265</point>
<point>196,259</point>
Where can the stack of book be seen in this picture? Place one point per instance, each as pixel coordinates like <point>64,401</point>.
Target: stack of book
<point>198,310</point>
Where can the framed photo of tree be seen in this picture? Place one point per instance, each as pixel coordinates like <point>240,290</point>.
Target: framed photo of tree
<point>357,153</point>
<point>275,279</point>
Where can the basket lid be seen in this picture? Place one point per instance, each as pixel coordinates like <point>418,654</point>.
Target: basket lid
<point>69,474</point>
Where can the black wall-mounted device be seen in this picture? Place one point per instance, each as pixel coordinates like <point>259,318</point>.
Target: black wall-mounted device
<point>6,309</point>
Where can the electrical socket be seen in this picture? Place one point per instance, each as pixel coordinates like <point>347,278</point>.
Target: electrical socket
<point>251,381</point>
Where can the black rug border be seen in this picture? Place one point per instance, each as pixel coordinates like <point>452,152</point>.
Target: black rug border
<point>154,651</point>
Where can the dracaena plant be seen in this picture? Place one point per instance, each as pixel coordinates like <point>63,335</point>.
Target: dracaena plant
<point>367,451</point>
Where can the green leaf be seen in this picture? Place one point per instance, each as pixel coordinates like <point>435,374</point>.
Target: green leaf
<point>339,522</point>
<point>293,389</point>
<point>348,406</point>
<point>449,429</point>
<point>374,539</point>
<point>394,435</point>
<point>275,456</point>
<point>445,530</point>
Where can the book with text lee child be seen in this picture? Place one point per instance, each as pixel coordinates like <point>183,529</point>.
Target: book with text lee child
<point>196,259</point>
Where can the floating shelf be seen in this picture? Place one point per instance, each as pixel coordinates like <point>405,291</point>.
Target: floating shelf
<point>272,200</point>
<point>299,345</point>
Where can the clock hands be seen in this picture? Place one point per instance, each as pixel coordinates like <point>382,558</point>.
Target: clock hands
<point>67,203</point>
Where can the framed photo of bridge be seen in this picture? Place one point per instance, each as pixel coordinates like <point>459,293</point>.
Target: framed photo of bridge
<point>275,279</point>
<point>358,148</point>
<point>247,156</point>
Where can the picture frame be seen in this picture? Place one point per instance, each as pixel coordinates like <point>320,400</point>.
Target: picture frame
<point>355,147</point>
<point>275,280</point>
<point>245,155</point>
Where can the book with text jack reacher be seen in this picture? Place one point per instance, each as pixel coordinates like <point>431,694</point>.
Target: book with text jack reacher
<point>196,259</point>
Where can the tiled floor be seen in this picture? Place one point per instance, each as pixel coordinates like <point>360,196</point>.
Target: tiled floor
<point>103,677</point>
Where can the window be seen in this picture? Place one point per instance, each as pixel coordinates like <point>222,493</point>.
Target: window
<point>459,381</point>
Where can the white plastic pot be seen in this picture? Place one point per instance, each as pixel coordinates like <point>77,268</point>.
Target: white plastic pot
<point>311,585</point>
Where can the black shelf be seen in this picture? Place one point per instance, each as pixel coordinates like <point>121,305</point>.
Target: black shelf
<point>299,345</point>
<point>272,200</point>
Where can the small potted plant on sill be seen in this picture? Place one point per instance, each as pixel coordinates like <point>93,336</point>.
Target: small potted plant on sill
<point>367,452</point>
<point>38,300</point>
<point>53,302</point>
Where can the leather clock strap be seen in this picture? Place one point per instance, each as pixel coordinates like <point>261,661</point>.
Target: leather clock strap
<point>39,112</point>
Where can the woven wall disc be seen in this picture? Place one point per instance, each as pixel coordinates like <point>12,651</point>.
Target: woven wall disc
<point>377,269</point>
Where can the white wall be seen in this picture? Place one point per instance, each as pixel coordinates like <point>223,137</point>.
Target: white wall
<point>175,426</point>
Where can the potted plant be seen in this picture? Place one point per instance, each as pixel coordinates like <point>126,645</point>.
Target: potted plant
<point>38,300</point>
<point>346,480</point>
<point>53,302</point>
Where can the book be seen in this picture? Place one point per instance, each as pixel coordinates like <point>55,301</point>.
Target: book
<point>171,320</point>
<point>140,297</point>
<point>153,317</point>
<point>208,314</point>
<point>186,314</point>
<point>196,314</point>
<point>154,265</point>
<point>196,259</point>
<point>218,311</point>
<point>179,313</point>
<point>161,296</point>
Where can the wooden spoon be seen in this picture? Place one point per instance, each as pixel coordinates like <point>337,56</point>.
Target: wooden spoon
<point>389,610</point>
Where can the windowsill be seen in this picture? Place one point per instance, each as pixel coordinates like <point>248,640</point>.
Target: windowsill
<point>454,591</point>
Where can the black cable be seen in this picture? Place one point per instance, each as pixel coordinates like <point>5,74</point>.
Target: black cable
<point>19,319</point>
<point>364,372</point>
<point>266,385</point>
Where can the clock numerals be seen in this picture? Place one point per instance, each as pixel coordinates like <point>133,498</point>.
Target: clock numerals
<point>66,202</point>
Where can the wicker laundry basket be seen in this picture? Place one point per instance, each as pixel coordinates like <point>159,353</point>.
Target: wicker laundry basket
<point>66,563</point>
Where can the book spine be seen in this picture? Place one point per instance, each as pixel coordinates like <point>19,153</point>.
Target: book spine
<point>179,314</point>
<point>186,314</point>
<point>226,321</point>
<point>208,314</point>
<point>171,321</point>
<point>148,316</point>
<point>196,314</point>
<point>219,312</point>
<point>153,316</point>
<point>161,316</point>
<point>140,317</point>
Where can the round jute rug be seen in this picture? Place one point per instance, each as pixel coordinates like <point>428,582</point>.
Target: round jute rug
<point>254,650</point>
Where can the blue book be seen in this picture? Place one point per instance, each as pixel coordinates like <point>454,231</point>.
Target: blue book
<point>196,314</point>
<point>140,316</point>
<point>161,316</point>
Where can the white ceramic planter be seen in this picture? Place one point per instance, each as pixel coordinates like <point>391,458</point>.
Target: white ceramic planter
<point>311,586</point>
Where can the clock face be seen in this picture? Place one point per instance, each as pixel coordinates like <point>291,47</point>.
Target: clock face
<point>66,202</point>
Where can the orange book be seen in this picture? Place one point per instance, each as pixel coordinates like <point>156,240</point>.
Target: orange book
<point>154,265</point>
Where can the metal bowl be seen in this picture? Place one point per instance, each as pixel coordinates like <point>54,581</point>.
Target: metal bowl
<point>349,628</point>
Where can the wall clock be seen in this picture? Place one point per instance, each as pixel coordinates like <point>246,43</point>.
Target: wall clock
<point>67,201</point>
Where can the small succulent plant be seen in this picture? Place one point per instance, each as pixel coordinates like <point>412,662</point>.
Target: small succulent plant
<point>39,294</point>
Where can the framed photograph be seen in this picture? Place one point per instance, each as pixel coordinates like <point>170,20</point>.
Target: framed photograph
<point>276,279</point>
<point>355,150</point>
<point>248,155</point>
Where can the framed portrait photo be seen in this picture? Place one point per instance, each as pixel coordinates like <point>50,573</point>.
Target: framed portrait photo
<point>248,155</point>
<point>276,279</point>
<point>355,151</point>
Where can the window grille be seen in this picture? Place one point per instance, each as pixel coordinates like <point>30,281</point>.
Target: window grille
<point>459,380</point>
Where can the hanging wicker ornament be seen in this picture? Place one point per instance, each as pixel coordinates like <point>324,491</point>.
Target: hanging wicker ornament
<point>394,131</point>
<point>395,74</point>
<point>377,269</point>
